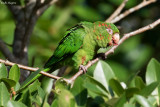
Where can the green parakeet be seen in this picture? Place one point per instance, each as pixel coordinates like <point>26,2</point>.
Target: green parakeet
<point>81,43</point>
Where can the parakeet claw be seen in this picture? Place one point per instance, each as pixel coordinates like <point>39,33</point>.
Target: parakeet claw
<point>82,67</point>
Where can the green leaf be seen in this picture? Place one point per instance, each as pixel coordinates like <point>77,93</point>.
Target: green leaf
<point>112,101</point>
<point>31,78</point>
<point>153,71</point>
<point>94,90</point>
<point>32,87</point>
<point>54,103</point>
<point>131,79</point>
<point>3,71</point>
<point>95,82</point>
<point>139,82</point>
<point>14,73</point>
<point>116,86</point>
<point>95,86</point>
<point>79,92</point>
<point>121,101</point>
<point>29,94</point>
<point>26,98</point>
<point>4,94</point>
<point>142,100</point>
<point>131,91</point>
<point>103,73</point>
<point>45,103</point>
<point>153,74</point>
<point>60,85</point>
<point>36,100</point>
<point>9,83</point>
<point>66,99</point>
<point>15,104</point>
<point>129,105</point>
<point>98,101</point>
<point>148,89</point>
<point>152,100</point>
<point>41,94</point>
<point>17,86</point>
<point>47,84</point>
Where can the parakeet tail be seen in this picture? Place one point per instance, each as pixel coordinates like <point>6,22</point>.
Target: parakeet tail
<point>46,69</point>
<point>37,76</point>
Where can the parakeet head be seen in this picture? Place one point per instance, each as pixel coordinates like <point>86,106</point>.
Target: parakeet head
<point>107,33</point>
<point>112,30</point>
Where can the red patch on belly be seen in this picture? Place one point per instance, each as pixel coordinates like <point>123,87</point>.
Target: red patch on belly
<point>81,46</point>
<point>83,59</point>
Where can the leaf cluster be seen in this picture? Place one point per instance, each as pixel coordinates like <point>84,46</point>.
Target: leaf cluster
<point>100,88</point>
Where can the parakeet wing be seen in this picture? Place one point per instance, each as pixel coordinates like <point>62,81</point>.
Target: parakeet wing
<point>70,43</point>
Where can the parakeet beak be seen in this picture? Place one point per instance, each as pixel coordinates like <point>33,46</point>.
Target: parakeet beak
<point>115,38</point>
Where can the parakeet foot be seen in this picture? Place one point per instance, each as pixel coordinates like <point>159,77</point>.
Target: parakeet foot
<point>82,67</point>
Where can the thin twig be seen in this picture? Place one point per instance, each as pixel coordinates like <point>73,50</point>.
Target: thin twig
<point>127,12</point>
<point>45,6</point>
<point>117,11</point>
<point>32,17</point>
<point>125,37</point>
<point>6,62</point>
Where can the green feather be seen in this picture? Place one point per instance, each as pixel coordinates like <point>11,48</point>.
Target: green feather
<point>70,43</point>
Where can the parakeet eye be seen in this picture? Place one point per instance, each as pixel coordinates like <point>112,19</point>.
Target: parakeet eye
<point>110,31</point>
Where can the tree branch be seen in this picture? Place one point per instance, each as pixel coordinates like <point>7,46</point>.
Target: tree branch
<point>6,52</point>
<point>32,13</point>
<point>45,6</point>
<point>117,11</point>
<point>6,62</point>
<point>127,12</point>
